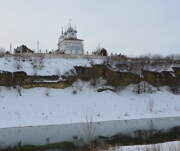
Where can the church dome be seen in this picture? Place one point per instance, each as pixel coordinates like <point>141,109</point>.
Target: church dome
<point>70,29</point>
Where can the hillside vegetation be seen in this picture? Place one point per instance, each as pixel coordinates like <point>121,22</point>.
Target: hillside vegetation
<point>32,72</point>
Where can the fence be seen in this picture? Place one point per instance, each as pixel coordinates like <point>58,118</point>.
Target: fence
<point>68,56</point>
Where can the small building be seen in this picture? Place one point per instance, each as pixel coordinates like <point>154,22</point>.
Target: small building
<point>69,43</point>
<point>101,52</point>
<point>23,49</point>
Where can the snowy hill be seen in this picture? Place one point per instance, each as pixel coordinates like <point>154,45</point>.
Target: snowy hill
<point>43,66</point>
<point>42,106</point>
<point>102,100</point>
<point>169,146</point>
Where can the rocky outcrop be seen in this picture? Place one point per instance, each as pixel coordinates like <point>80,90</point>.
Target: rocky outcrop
<point>26,81</point>
<point>116,78</point>
<point>176,71</point>
<point>165,78</point>
<point>11,79</point>
<point>113,78</point>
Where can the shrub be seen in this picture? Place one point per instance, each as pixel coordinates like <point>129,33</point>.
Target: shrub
<point>74,92</point>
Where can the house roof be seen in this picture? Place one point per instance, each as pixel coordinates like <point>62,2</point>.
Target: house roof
<point>23,48</point>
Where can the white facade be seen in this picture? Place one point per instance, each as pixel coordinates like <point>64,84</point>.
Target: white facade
<point>69,43</point>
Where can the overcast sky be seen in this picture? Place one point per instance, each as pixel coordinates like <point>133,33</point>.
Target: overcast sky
<point>130,27</point>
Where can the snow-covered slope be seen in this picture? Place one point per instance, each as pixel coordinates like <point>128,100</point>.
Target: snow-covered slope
<point>42,106</point>
<point>169,146</point>
<point>43,66</point>
<point>54,66</point>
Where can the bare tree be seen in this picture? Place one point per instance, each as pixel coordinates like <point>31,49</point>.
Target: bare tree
<point>89,130</point>
<point>58,72</point>
<point>143,87</point>
<point>151,105</point>
<point>17,63</point>
<point>2,51</point>
<point>47,92</point>
<point>38,63</point>
<point>19,90</point>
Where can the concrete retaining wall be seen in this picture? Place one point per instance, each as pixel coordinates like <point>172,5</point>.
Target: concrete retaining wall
<point>40,135</point>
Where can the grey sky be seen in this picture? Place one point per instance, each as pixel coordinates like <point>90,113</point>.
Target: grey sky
<point>123,26</point>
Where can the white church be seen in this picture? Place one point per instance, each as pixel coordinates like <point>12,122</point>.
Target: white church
<point>68,42</point>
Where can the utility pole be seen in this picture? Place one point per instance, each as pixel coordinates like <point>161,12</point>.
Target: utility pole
<point>10,49</point>
<point>38,46</point>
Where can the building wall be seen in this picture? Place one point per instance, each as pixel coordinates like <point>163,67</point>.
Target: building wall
<point>71,47</point>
